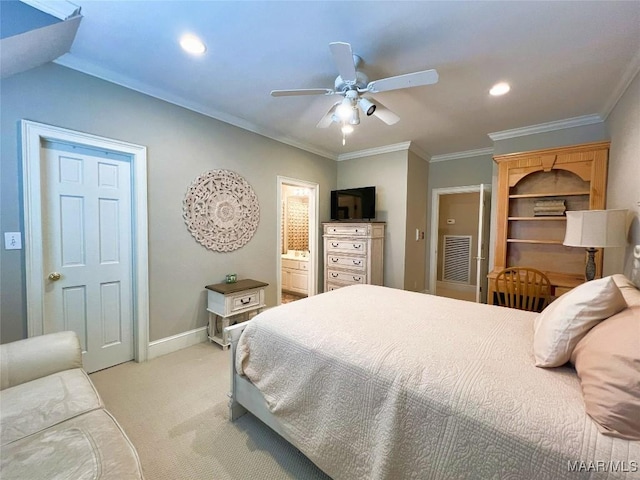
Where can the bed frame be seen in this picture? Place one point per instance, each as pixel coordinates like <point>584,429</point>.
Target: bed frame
<point>244,396</point>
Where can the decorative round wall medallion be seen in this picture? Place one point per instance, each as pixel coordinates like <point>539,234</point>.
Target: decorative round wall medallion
<point>221,210</point>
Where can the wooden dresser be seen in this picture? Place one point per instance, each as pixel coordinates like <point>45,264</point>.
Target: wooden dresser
<point>353,253</point>
<point>576,177</point>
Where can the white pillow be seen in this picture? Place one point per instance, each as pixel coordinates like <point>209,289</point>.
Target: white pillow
<point>561,325</point>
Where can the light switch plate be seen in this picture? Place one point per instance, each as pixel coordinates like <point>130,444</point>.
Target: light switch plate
<point>12,240</point>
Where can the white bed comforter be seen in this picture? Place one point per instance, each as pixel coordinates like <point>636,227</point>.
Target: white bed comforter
<point>377,383</point>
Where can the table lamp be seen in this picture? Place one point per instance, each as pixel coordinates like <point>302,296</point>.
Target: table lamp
<point>595,229</point>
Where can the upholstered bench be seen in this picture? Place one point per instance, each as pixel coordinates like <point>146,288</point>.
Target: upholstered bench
<point>53,423</point>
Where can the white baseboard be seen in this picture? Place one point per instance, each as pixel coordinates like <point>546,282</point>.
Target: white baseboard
<point>177,342</point>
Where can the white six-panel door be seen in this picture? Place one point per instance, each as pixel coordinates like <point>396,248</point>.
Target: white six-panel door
<point>87,251</point>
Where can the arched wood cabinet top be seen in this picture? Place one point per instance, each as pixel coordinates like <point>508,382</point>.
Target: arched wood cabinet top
<point>578,159</point>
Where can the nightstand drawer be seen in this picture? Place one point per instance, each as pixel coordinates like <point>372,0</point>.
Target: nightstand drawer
<point>347,230</point>
<point>349,246</point>
<point>343,261</point>
<point>243,300</point>
<point>345,277</point>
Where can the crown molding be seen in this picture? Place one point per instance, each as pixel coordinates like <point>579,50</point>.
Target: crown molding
<point>458,155</point>
<point>396,147</point>
<point>546,127</point>
<point>625,80</point>
<point>423,154</point>
<point>58,8</point>
<point>74,63</point>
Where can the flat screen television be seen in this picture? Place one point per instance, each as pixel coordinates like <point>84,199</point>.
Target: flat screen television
<point>353,204</point>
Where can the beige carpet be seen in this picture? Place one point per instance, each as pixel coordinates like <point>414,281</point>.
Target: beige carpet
<point>174,410</point>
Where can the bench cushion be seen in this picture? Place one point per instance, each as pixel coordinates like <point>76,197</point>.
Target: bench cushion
<point>39,404</point>
<point>89,446</point>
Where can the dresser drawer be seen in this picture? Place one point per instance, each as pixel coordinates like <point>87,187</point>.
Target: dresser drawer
<point>242,300</point>
<point>347,246</point>
<point>344,261</point>
<point>347,230</point>
<point>331,286</point>
<point>345,277</point>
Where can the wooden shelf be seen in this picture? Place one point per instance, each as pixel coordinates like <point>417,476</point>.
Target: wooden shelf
<point>576,175</point>
<point>556,194</point>
<point>539,242</point>
<point>541,219</point>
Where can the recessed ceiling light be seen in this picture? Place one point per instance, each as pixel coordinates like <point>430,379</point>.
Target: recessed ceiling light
<point>499,89</point>
<point>192,44</point>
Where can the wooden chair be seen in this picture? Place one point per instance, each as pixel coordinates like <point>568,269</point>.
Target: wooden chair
<point>523,288</point>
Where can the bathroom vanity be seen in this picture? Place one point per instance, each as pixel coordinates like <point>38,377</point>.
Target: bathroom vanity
<point>295,272</point>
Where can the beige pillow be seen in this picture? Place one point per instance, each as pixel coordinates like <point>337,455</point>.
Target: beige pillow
<point>607,360</point>
<point>629,291</point>
<point>565,321</point>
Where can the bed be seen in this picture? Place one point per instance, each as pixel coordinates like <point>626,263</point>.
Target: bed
<point>376,383</point>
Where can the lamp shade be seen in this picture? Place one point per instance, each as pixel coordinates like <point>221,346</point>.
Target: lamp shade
<point>596,228</point>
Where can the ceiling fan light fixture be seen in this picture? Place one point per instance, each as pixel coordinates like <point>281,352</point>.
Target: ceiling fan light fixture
<point>346,129</point>
<point>355,117</point>
<point>344,109</point>
<point>192,44</point>
<point>500,89</point>
<point>367,106</point>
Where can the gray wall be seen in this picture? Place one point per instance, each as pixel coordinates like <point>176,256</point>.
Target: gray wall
<point>455,173</point>
<point>388,172</point>
<point>181,145</point>
<point>415,251</point>
<point>623,189</point>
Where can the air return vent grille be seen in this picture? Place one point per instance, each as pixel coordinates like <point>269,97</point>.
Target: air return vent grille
<point>457,259</point>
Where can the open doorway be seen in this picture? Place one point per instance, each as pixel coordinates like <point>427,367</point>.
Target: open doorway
<point>459,242</point>
<point>297,232</point>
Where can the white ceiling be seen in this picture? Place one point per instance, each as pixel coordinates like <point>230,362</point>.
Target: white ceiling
<point>562,59</point>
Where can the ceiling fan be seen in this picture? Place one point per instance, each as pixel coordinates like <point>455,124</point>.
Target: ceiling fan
<point>352,84</point>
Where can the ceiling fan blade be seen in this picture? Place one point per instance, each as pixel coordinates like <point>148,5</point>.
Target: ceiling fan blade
<point>328,118</point>
<point>384,114</point>
<point>343,58</point>
<point>416,79</point>
<point>302,91</point>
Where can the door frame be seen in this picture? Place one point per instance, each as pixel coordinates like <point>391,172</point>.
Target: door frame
<point>435,220</point>
<point>314,214</point>
<point>32,135</point>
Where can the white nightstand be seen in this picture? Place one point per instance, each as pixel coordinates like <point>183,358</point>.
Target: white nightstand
<point>229,300</point>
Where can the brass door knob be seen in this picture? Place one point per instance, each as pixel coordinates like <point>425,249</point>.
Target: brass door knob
<point>54,276</point>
